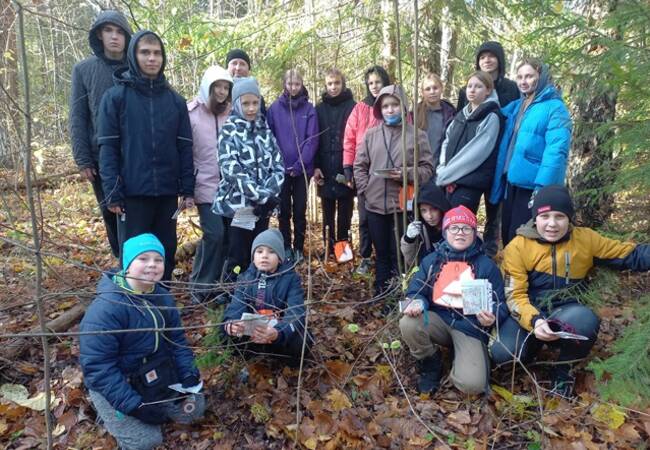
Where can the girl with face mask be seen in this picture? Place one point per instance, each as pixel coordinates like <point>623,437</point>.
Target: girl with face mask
<point>378,176</point>
<point>535,146</point>
<point>360,121</point>
<point>292,118</point>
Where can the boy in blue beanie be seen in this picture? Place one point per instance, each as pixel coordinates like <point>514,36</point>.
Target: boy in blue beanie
<point>271,287</point>
<point>128,374</point>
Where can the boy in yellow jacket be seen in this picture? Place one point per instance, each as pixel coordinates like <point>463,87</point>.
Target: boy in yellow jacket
<point>544,266</point>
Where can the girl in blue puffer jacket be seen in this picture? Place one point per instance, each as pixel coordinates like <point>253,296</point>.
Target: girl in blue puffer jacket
<point>535,146</point>
<point>128,373</point>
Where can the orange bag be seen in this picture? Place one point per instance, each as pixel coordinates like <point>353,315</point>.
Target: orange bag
<point>343,252</point>
<point>410,193</point>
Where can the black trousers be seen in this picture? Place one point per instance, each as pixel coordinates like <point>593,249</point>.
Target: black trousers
<point>466,196</point>
<point>515,341</point>
<point>365,246</point>
<point>382,235</point>
<point>240,242</point>
<point>337,211</point>
<point>514,211</point>
<point>492,225</point>
<point>144,214</point>
<point>110,219</point>
<point>286,352</point>
<point>293,203</point>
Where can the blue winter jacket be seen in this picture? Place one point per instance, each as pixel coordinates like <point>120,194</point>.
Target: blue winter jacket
<point>421,286</point>
<point>145,136</point>
<point>541,150</point>
<point>108,359</point>
<point>283,294</point>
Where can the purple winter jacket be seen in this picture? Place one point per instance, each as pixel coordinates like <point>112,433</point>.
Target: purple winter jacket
<point>278,117</point>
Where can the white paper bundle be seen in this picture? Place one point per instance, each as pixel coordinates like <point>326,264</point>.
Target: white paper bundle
<point>477,296</point>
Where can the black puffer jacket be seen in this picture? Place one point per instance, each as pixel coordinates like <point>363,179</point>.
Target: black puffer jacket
<point>333,114</point>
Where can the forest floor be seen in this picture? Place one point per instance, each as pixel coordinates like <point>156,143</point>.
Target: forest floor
<point>355,393</point>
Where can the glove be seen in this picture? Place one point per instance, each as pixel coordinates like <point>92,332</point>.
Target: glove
<point>532,198</point>
<point>264,210</point>
<point>151,414</point>
<point>348,172</point>
<point>190,381</point>
<point>413,230</point>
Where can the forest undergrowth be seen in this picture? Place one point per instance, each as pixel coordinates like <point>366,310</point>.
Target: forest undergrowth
<point>356,392</point>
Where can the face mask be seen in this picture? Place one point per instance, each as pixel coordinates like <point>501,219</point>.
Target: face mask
<point>393,120</point>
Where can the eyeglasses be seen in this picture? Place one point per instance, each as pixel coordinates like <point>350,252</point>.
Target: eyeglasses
<point>455,229</point>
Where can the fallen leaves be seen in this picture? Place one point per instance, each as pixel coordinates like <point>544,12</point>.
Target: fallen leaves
<point>338,400</point>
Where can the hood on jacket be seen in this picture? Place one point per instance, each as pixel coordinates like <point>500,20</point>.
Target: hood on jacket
<point>497,50</point>
<point>544,79</point>
<point>211,75</point>
<point>132,73</point>
<point>104,17</point>
<point>296,100</point>
<point>394,90</point>
<point>433,195</point>
<point>492,98</point>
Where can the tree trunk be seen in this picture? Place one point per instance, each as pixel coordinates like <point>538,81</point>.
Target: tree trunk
<point>448,46</point>
<point>388,33</point>
<point>592,168</point>
<point>9,82</point>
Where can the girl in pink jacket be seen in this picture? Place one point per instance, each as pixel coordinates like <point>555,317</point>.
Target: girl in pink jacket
<point>208,112</point>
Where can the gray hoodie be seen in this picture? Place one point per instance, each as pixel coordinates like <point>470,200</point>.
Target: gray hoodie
<point>90,79</point>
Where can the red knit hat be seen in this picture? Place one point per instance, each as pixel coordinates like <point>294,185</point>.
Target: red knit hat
<point>459,214</point>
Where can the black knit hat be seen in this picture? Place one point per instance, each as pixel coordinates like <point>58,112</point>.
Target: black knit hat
<point>553,198</point>
<point>237,53</point>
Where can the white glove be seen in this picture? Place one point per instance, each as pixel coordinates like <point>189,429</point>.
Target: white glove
<point>414,229</point>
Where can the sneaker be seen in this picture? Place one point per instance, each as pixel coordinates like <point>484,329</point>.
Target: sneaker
<point>429,374</point>
<point>364,267</point>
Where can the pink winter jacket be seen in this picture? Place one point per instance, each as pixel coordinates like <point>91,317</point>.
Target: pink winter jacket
<point>360,120</point>
<point>204,148</point>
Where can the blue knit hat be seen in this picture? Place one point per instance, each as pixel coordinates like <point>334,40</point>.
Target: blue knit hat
<point>271,238</point>
<point>141,243</point>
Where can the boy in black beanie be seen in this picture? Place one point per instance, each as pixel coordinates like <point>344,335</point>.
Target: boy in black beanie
<point>548,257</point>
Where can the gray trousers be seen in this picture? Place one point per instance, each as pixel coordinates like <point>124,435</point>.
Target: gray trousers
<point>208,262</point>
<point>133,434</point>
<point>470,369</point>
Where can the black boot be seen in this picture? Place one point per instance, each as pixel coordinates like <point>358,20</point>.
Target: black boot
<point>429,374</point>
<point>562,381</point>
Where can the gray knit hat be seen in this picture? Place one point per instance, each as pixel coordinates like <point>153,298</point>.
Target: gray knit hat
<point>247,85</point>
<point>271,238</point>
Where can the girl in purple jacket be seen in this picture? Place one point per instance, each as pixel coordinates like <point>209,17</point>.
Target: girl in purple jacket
<point>293,121</point>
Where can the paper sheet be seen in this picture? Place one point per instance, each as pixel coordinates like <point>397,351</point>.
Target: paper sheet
<point>244,218</point>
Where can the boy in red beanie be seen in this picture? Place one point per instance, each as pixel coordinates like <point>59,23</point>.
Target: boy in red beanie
<point>435,294</point>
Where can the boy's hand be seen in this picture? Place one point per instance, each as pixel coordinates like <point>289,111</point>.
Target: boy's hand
<point>543,332</point>
<point>264,335</point>
<point>235,328</point>
<point>89,173</point>
<point>485,318</point>
<point>318,177</point>
<point>187,203</point>
<point>116,209</point>
<point>396,175</point>
<point>414,309</point>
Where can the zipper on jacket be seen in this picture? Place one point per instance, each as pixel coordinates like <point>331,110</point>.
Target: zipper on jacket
<point>155,322</point>
<point>153,139</point>
<point>554,264</point>
<point>567,268</point>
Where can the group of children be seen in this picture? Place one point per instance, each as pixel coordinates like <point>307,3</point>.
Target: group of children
<point>143,147</point>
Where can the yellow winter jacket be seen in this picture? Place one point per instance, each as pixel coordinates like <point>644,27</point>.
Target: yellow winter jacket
<point>536,271</point>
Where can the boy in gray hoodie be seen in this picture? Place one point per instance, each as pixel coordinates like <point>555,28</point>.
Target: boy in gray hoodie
<point>108,38</point>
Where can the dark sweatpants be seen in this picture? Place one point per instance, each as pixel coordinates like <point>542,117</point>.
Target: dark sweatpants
<point>288,352</point>
<point>365,245</point>
<point>514,211</point>
<point>110,219</point>
<point>240,242</point>
<point>382,235</point>
<point>466,196</point>
<point>293,203</point>
<point>144,214</point>
<point>337,211</point>
<point>516,341</point>
<point>492,225</point>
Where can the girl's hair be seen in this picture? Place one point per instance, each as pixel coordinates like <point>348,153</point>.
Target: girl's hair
<point>423,123</point>
<point>334,72</point>
<point>532,62</point>
<point>380,72</point>
<point>218,108</point>
<point>292,74</point>
<point>484,78</point>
